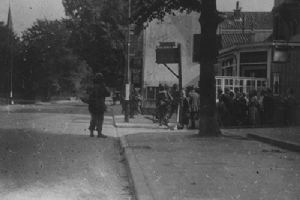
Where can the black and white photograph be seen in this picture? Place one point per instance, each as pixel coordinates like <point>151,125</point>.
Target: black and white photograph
<point>149,99</point>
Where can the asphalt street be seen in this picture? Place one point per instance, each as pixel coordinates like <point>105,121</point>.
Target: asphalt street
<point>46,153</point>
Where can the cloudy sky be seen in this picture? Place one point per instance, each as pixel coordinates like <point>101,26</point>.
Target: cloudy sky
<point>25,12</point>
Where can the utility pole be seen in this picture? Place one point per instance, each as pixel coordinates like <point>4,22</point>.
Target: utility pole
<point>127,71</point>
<point>179,110</point>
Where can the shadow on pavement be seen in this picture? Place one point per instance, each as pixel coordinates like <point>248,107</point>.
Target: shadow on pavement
<point>53,108</point>
<point>236,137</point>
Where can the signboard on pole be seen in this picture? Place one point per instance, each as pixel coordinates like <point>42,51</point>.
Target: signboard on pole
<point>166,52</point>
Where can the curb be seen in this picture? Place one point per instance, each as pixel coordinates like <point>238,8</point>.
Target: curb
<point>131,125</point>
<point>282,144</point>
<point>140,184</point>
<point>147,126</point>
<point>137,178</point>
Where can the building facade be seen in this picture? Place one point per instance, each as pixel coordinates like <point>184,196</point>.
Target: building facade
<point>271,63</point>
<point>250,43</point>
<point>180,29</point>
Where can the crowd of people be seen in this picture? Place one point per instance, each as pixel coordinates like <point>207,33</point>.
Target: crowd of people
<point>255,108</point>
<point>168,101</point>
<point>234,108</point>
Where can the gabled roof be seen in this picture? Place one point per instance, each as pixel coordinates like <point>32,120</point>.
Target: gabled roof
<point>248,20</point>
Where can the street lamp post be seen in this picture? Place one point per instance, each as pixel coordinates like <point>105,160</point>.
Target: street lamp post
<point>127,71</point>
<point>10,54</point>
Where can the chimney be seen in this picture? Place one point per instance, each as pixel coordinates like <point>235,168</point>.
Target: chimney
<point>237,12</point>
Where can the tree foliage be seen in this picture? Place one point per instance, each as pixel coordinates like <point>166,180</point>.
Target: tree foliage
<point>146,10</point>
<point>98,35</point>
<point>50,67</point>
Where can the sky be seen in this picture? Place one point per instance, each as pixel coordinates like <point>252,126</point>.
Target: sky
<point>25,12</point>
<point>247,5</point>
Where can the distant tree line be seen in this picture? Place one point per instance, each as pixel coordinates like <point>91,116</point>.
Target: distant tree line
<point>59,57</point>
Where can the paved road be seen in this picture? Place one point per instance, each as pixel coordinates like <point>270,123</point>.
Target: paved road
<point>45,153</point>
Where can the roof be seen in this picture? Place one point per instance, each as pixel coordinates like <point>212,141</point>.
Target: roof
<point>260,45</point>
<point>236,30</point>
<point>248,20</point>
<point>231,39</point>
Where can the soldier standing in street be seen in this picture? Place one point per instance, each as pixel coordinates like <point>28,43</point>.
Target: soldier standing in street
<point>97,105</point>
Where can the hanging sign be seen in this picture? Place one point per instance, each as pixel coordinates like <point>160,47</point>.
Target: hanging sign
<point>167,53</point>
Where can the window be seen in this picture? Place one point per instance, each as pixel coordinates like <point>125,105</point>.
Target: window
<point>229,67</point>
<point>241,84</point>
<point>254,57</point>
<point>254,64</point>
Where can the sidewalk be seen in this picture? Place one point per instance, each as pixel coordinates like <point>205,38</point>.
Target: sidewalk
<point>171,165</point>
<point>285,137</point>
<point>139,121</point>
<point>180,165</point>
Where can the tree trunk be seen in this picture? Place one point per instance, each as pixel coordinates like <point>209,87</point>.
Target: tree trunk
<point>209,20</point>
<point>208,117</point>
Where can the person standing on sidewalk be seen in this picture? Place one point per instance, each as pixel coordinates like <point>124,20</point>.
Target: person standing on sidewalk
<point>163,100</point>
<point>194,106</point>
<point>133,102</point>
<point>139,103</point>
<point>97,105</point>
<point>175,93</point>
<point>290,108</point>
<point>185,114</point>
<point>268,104</point>
<point>253,108</point>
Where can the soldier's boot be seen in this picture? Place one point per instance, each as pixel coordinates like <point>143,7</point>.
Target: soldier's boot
<point>91,133</point>
<point>100,135</point>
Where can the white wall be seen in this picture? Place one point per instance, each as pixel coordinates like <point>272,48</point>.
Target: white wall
<point>179,29</point>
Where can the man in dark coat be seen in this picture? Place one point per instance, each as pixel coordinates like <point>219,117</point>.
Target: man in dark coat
<point>97,105</point>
